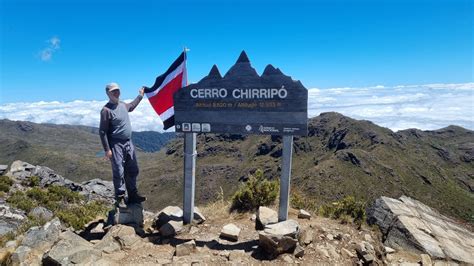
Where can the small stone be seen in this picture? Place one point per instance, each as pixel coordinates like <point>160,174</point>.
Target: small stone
<point>230,231</point>
<point>198,216</point>
<point>426,260</point>
<point>389,250</point>
<point>329,236</point>
<point>347,253</point>
<point>253,218</point>
<point>299,251</point>
<point>98,229</point>
<point>302,214</point>
<point>185,248</point>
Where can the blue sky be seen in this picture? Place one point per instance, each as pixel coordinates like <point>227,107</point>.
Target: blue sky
<point>67,51</point>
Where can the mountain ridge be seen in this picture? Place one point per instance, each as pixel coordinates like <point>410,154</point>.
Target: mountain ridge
<point>340,156</point>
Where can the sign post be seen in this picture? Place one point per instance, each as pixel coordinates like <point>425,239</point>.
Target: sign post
<point>241,102</point>
<point>189,176</point>
<point>285,178</point>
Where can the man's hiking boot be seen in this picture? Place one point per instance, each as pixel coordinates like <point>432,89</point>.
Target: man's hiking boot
<point>120,202</point>
<point>136,198</point>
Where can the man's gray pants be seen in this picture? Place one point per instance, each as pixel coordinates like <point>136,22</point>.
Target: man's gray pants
<point>124,168</point>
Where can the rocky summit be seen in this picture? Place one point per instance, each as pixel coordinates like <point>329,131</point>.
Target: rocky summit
<point>407,232</point>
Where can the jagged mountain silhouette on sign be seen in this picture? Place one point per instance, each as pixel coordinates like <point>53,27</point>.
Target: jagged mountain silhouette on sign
<point>243,75</point>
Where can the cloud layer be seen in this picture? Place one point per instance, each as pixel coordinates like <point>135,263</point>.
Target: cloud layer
<point>426,107</point>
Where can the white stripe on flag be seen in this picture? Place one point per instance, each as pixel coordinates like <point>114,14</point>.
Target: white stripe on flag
<point>167,114</point>
<point>168,78</point>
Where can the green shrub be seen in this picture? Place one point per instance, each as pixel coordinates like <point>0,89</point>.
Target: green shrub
<point>345,208</point>
<point>34,181</point>
<point>5,183</point>
<point>257,191</point>
<point>298,201</point>
<point>79,215</point>
<point>21,201</point>
<point>64,194</point>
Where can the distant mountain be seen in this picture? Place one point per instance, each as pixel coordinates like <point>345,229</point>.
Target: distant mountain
<point>340,156</point>
<point>74,151</point>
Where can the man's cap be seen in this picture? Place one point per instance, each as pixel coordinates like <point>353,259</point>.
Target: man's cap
<point>111,87</point>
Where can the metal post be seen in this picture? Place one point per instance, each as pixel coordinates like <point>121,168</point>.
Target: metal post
<point>189,176</point>
<point>285,178</point>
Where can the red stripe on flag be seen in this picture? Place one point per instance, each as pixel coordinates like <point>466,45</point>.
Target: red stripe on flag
<point>163,100</point>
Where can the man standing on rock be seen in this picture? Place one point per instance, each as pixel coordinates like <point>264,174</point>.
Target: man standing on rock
<point>116,135</point>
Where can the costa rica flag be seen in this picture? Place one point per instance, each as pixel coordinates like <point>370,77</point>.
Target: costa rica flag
<point>161,93</point>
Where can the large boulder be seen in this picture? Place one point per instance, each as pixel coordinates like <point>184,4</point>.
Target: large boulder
<point>71,249</point>
<point>36,242</point>
<point>175,213</point>
<point>410,225</point>
<point>119,237</point>
<point>279,238</point>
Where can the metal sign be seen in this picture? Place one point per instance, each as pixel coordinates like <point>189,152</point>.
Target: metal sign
<point>271,104</point>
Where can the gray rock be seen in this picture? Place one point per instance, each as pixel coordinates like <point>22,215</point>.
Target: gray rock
<point>20,169</point>
<point>276,244</point>
<point>118,237</point>
<point>266,216</point>
<point>42,238</point>
<point>21,255</point>
<point>171,228</point>
<point>41,213</point>
<point>186,248</point>
<point>286,228</point>
<point>10,218</point>
<point>410,225</point>
<point>99,189</point>
<point>230,231</point>
<point>3,168</point>
<point>299,251</point>
<point>198,216</point>
<point>71,249</point>
<point>366,251</point>
<point>302,214</point>
<point>132,215</point>
<point>170,213</point>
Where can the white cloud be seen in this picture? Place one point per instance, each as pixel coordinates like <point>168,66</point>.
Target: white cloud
<point>52,46</point>
<point>426,107</point>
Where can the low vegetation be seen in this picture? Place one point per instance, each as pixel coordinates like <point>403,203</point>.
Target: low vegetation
<point>348,209</point>
<point>68,205</point>
<point>257,191</point>
<point>5,183</point>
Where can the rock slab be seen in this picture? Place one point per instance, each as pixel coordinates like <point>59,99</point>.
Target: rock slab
<point>411,225</point>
